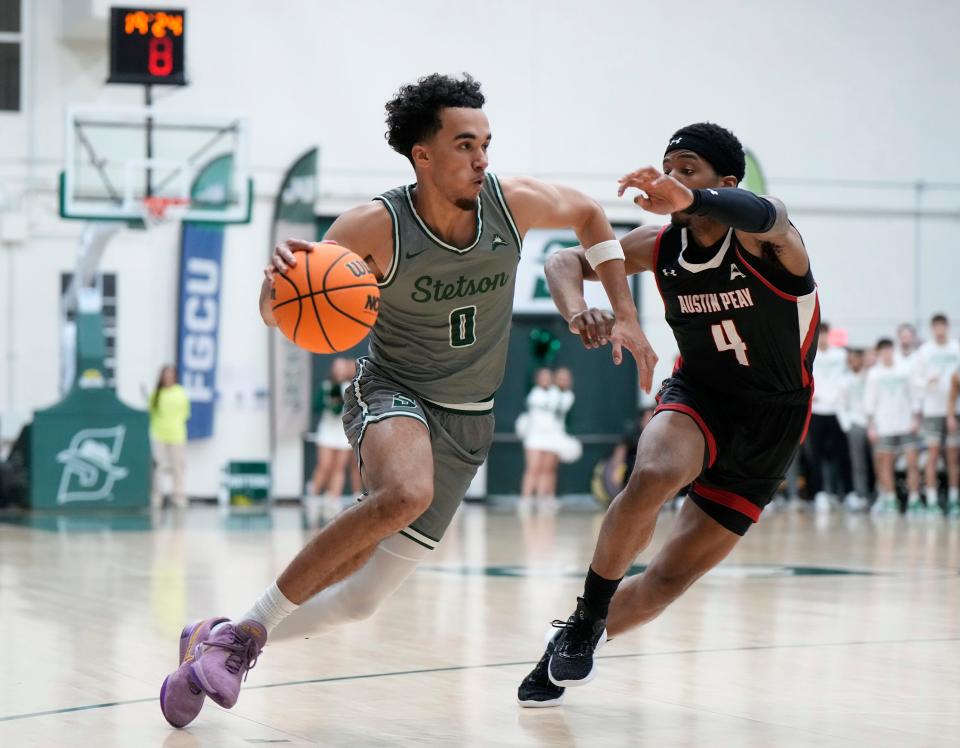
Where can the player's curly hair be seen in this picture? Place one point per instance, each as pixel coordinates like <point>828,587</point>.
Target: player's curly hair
<point>413,114</point>
<point>722,139</point>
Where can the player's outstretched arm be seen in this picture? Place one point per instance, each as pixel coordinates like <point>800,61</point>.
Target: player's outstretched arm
<point>781,243</point>
<point>365,230</point>
<point>761,222</point>
<point>536,204</point>
<point>567,269</point>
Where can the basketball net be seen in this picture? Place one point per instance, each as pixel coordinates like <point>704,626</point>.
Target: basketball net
<point>156,210</point>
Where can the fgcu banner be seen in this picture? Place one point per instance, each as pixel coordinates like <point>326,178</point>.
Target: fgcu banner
<point>201,256</point>
<point>290,365</point>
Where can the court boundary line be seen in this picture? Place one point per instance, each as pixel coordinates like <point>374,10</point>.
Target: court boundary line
<point>491,665</point>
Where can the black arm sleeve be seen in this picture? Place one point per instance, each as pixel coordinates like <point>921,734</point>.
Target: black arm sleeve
<point>734,207</point>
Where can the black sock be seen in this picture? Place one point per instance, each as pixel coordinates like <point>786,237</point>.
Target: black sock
<point>597,593</point>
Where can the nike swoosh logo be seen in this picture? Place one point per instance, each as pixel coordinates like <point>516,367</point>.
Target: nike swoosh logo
<point>411,255</point>
<point>475,451</point>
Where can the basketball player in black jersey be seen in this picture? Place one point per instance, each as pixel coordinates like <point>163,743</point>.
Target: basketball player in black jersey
<point>740,297</point>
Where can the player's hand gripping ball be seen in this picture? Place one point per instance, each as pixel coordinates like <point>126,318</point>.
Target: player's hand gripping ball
<point>328,301</point>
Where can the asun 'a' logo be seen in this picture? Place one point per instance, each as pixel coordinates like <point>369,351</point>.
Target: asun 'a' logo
<point>90,465</point>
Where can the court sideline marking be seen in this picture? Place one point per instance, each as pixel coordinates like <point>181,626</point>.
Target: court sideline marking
<point>455,668</point>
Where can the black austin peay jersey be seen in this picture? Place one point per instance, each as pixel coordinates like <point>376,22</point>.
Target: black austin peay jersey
<point>744,326</point>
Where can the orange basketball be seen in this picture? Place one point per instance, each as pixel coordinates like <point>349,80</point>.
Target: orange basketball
<point>328,301</point>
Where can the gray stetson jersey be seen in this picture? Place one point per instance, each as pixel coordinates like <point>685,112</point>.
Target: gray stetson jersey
<point>445,312</point>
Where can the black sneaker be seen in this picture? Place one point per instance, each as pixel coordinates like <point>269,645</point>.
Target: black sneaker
<point>536,690</point>
<point>580,636</point>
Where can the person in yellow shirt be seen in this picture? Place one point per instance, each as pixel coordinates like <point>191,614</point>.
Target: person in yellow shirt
<point>169,412</point>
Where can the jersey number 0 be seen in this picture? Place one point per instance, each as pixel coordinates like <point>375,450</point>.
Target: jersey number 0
<point>463,327</point>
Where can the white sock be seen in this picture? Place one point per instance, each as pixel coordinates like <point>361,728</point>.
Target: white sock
<point>953,494</point>
<point>270,609</point>
<point>913,498</point>
<point>932,498</point>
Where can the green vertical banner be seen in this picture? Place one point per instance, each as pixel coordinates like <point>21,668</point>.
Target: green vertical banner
<point>754,179</point>
<point>290,364</point>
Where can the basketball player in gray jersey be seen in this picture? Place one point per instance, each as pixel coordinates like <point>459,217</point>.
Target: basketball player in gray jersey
<point>419,412</point>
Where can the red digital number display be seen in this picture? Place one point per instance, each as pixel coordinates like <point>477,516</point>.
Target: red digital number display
<point>160,59</point>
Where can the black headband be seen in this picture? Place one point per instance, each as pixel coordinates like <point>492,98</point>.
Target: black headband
<point>722,163</point>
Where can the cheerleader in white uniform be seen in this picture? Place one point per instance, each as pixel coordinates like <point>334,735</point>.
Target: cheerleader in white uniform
<point>537,427</point>
<point>567,448</point>
<point>560,446</point>
<point>333,449</point>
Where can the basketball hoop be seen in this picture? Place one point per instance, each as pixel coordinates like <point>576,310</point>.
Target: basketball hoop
<point>156,210</point>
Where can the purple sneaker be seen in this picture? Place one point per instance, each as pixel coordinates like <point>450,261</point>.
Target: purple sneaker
<point>180,697</point>
<point>223,660</point>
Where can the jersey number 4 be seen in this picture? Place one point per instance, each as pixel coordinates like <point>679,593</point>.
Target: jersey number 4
<point>463,327</point>
<point>727,338</point>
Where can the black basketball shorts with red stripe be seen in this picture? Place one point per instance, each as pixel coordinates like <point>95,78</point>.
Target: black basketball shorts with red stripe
<point>750,444</point>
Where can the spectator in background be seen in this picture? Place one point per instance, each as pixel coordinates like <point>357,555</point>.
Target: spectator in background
<point>852,415</point>
<point>934,365</point>
<point>891,425</point>
<point>906,343</point>
<point>563,382</point>
<point>169,413</point>
<point>333,449</point>
<point>567,447</point>
<point>539,435</point>
<point>826,443</point>
<point>953,501</point>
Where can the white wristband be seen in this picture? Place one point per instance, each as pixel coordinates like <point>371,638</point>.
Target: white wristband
<point>604,251</point>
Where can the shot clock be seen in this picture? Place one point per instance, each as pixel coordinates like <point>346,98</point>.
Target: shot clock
<point>147,46</point>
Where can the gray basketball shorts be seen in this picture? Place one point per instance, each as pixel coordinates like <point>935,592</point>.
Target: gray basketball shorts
<point>935,432</point>
<point>460,441</point>
<point>895,443</point>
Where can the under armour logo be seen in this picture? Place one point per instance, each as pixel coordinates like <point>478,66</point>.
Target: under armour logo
<point>735,271</point>
<point>670,271</point>
<point>676,141</point>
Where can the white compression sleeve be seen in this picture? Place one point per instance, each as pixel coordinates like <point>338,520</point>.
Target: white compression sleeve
<point>358,596</point>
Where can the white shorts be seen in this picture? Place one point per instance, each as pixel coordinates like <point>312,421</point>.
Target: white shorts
<point>541,439</point>
<point>330,434</point>
<point>566,447</point>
